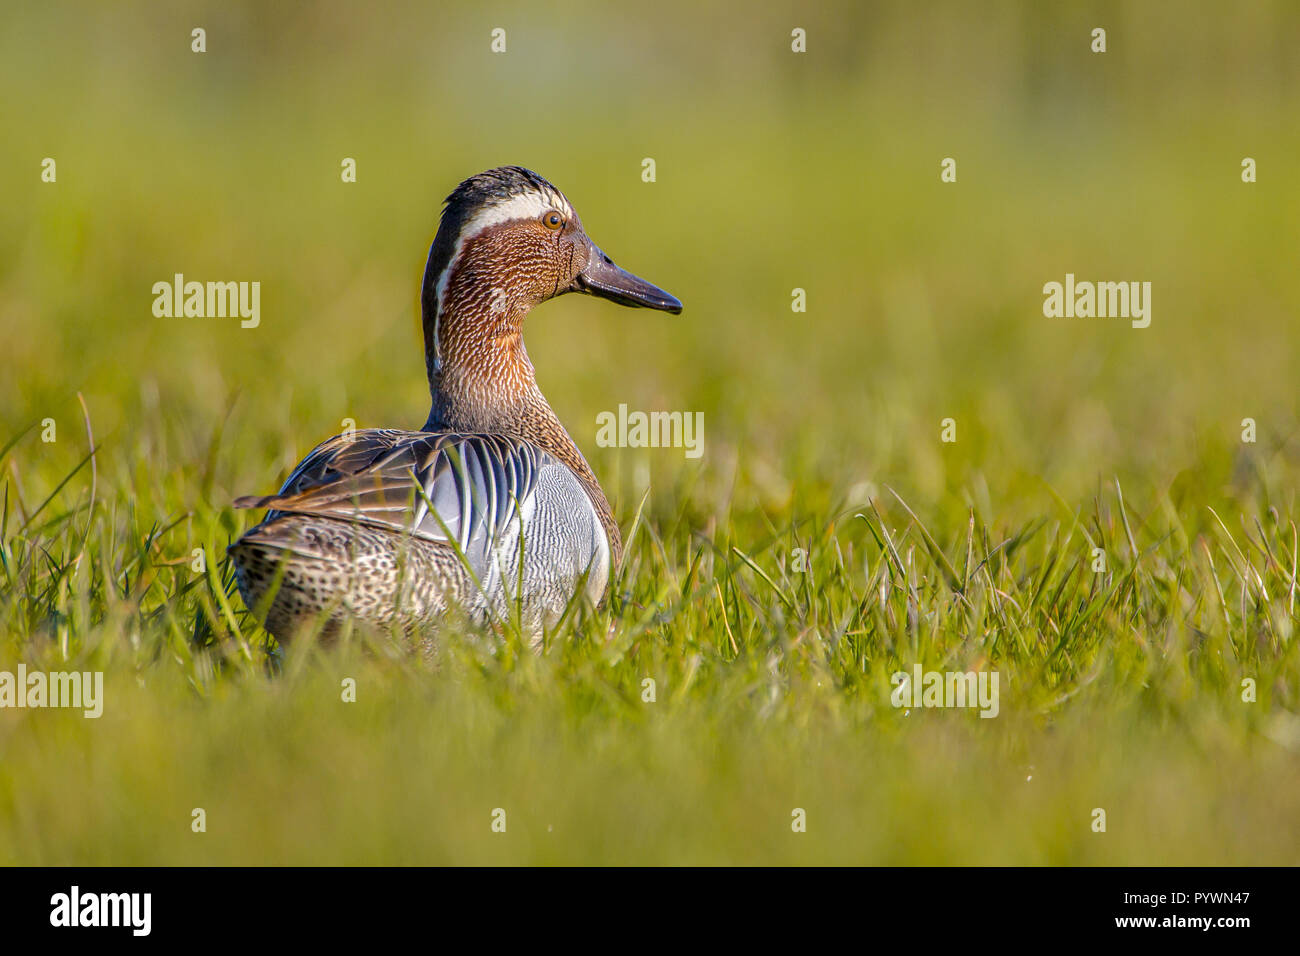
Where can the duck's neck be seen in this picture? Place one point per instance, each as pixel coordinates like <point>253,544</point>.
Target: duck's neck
<point>479,373</point>
<point>480,378</point>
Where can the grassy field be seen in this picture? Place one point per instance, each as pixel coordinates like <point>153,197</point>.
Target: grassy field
<point>1121,688</point>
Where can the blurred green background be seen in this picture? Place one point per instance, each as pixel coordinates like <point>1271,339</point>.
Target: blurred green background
<point>775,170</point>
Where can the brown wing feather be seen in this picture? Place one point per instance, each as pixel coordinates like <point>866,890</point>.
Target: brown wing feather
<point>332,459</point>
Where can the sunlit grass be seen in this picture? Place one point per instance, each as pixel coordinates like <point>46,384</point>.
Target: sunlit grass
<point>1121,689</point>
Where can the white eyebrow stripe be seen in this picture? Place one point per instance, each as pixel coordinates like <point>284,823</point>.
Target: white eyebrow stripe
<point>529,205</point>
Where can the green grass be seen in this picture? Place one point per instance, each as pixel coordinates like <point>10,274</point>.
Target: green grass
<point>1121,689</point>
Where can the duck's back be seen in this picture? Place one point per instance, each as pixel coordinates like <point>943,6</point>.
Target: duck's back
<point>394,528</point>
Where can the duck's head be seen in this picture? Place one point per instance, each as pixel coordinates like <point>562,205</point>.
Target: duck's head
<point>509,240</point>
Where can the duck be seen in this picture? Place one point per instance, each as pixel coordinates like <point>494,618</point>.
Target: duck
<point>490,509</point>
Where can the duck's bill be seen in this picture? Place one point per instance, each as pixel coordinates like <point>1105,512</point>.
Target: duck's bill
<point>601,277</point>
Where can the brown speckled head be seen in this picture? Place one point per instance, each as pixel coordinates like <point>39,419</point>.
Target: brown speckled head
<point>508,241</point>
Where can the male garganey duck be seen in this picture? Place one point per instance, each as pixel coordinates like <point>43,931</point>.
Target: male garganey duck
<point>394,528</point>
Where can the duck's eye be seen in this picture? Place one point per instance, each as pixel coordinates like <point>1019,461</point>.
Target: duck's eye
<point>553,220</point>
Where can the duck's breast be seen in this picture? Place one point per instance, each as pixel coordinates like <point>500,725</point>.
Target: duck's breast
<point>563,546</point>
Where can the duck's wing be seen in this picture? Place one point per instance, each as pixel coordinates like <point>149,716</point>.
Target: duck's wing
<point>437,486</point>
